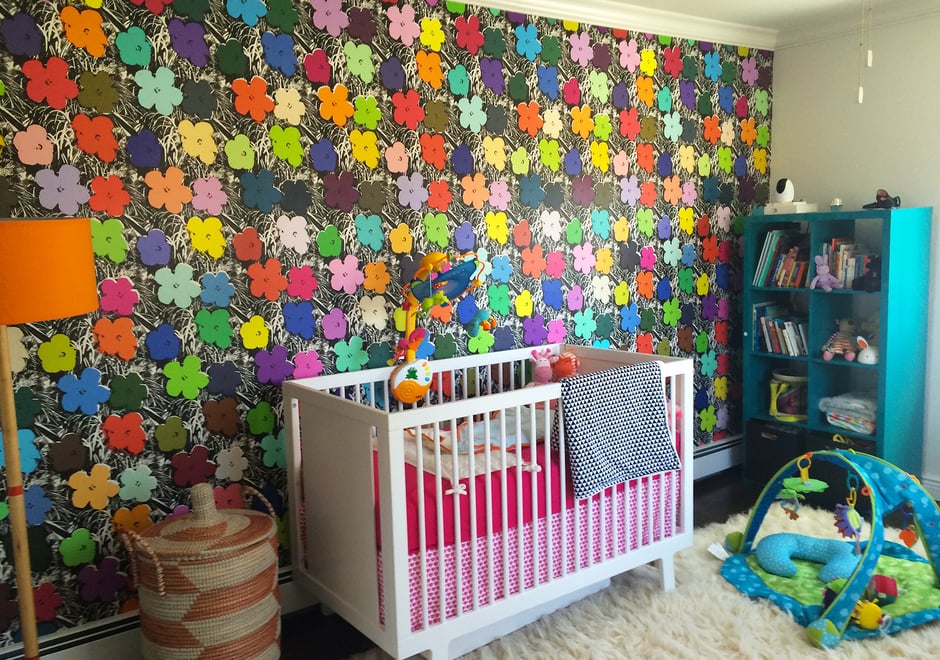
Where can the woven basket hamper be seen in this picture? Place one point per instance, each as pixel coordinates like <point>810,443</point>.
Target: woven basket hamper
<point>208,584</point>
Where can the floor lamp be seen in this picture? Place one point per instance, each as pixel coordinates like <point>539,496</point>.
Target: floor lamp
<point>47,272</point>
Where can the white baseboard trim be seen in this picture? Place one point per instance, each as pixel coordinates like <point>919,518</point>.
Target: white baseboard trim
<point>718,456</point>
<point>932,485</point>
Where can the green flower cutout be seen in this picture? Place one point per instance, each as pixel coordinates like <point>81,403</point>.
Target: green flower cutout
<point>549,154</point>
<point>171,435</point>
<point>380,354</point>
<point>445,347</point>
<point>231,59</point>
<point>482,343</point>
<point>197,9</point>
<point>285,143</point>
<point>435,229</point>
<point>57,355</point>
<point>128,392</point>
<point>134,47</point>
<point>520,161</point>
<point>704,105</point>
<point>551,50</point>
<point>708,364</point>
<point>763,135</point>
<point>599,84</point>
<point>664,100</point>
<point>584,324</point>
<point>214,327</point>
<point>605,326</point>
<point>493,43</point>
<point>4,510</point>
<point>701,342</point>
<point>725,159</point>
<point>26,406</point>
<point>573,232</point>
<point>107,239</point>
<point>177,286</point>
<point>689,68</point>
<point>158,90</point>
<point>686,280</point>
<point>728,72</point>
<point>665,40</point>
<point>137,484</point>
<point>602,127</point>
<point>185,379</point>
<point>498,296</point>
<point>329,242</point>
<point>350,355</point>
<point>367,112</point>
<point>647,320</point>
<point>275,454</point>
<point>79,548</point>
<point>359,61</point>
<point>761,102</point>
<point>240,153</point>
<point>704,165</point>
<point>671,312</point>
<point>518,88</point>
<point>281,14</point>
<point>261,419</point>
<point>458,80</point>
<point>707,419</point>
<point>456,7</point>
<point>644,222</point>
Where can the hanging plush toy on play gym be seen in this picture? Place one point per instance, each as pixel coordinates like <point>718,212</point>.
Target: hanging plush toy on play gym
<point>441,280</point>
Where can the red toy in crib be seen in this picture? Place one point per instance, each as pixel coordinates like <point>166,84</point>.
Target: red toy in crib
<point>564,365</point>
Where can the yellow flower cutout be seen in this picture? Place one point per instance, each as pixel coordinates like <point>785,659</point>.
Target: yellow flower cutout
<point>289,106</point>
<point>206,235</point>
<point>57,354</point>
<point>497,228</point>
<point>198,140</point>
<point>687,158</point>
<point>622,294</point>
<point>581,122</point>
<point>648,61</point>
<point>570,26</point>
<point>622,230</point>
<point>604,261</point>
<point>686,220</point>
<point>254,333</point>
<point>95,489</point>
<point>701,285</point>
<point>600,156</point>
<point>523,304</point>
<point>432,36</point>
<point>365,147</point>
<point>494,152</point>
<point>720,387</point>
<point>760,160</point>
<point>401,239</point>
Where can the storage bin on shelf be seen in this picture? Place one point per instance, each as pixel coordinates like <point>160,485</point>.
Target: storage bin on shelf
<point>208,583</point>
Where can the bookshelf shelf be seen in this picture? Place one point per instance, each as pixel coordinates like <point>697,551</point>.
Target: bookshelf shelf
<point>885,400</point>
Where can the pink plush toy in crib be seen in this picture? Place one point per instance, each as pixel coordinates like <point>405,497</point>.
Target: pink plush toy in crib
<point>541,367</point>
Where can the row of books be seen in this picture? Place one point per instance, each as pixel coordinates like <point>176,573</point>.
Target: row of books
<point>847,259</point>
<point>784,260</point>
<point>776,331</point>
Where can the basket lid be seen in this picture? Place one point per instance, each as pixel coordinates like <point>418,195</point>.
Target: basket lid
<point>206,530</point>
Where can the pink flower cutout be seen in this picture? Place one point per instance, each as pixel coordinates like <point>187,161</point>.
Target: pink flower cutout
<point>499,195</point>
<point>647,258</point>
<point>555,264</point>
<point>581,50</point>
<point>301,282</point>
<point>118,296</point>
<point>33,145</point>
<point>346,274</point>
<point>629,55</point>
<point>334,324</point>
<point>584,258</point>
<point>396,158</point>
<point>208,195</point>
<point>402,25</point>
<point>307,365</point>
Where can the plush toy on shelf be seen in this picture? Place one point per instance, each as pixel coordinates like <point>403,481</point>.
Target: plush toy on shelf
<point>824,279</point>
<point>841,342</point>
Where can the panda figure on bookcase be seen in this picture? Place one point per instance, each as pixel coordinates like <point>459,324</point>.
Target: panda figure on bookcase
<point>870,280</point>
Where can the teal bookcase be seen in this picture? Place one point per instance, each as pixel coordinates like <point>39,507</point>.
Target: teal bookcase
<point>892,312</point>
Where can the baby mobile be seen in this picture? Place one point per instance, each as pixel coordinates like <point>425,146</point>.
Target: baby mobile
<point>441,280</point>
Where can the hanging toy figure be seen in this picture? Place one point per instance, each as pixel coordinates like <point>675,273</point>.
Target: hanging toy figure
<point>791,494</point>
<point>848,520</point>
<point>440,280</point>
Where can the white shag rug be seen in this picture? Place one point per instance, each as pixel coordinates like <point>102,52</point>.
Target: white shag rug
<point>704,617</point>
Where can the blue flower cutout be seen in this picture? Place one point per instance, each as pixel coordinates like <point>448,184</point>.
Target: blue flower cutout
<point>279,52</point>
<point>664,228</point>
<point>224,379</point>
<point>713,66</point>
<point>530,190</point>
<point>36,502</point>
<point>467,309</point>
<point>258,191</point>
<point>573,163</point>
<point>502,269</point>
<point>85,393</point>
<point>464,236</point>
<point>163,343</point>
<point>620,96</point>
<point>688,255</point>
<point>723,276</point>
<point>29,455</point>
<point>154,248</point>
<point>247,10</point>
<point>425,349</point>
<point>740,165</point>
<point>299,320</point>
<point>726,98</point>
<point>503,339</point>
<point>462,159</point>
<point>664,164</point>
<point>392,74</point>
<point>323,156</point>
<point>552,294</point>
<point>664,289</point>
<point>527,41</point>
<point>548,81</point>
<point>601,343</point>
<point>710,191</point>
<point>145,149</point>
<point>217,289</point>
<point>629,318</point>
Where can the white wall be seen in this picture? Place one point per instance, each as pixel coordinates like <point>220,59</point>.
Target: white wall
<point>830,145</point>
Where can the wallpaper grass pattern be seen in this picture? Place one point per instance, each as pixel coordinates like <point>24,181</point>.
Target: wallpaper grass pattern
<point>264,176</point>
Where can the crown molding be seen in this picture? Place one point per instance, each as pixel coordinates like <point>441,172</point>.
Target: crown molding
<point>615,14</point>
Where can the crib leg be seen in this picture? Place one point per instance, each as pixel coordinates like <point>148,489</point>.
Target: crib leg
<point>667,572</point>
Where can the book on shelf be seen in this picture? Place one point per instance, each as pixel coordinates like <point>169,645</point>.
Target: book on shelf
<point>785,251</point>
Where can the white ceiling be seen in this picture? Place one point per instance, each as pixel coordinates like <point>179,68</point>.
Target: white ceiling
<point>757,23</point>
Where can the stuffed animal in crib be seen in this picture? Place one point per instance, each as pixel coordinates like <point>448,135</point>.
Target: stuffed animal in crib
<point>841,342</point>
<point>541,367</point>
<point>564,365</point>
<point>824,279</point>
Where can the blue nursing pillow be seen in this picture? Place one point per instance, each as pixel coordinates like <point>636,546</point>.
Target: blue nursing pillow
<point>775,554</point>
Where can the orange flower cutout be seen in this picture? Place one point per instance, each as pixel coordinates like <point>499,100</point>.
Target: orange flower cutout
<point>533,263</point>
<point>644,90</point>
<point>529,119</point>
<point>748,132</point>
<point>115,337</point>
<point>644,157</point>
<point>83,30</point>
<point>648,193</point>
<point>712,129</point>
<point>377,278</point>
<point>401,239</point>
<point>644,343</point>
<point>710,249</point>
<point>439,195</point>
<point>335,105</point>
<point>267,281</point>
<point>644,284</point>
<point>429,68</point>
<point>132,520</point>
<point>672,190</point>
<point>95,136</point>
<point>475,192</point>
<point>168,190</point>
<point>522,234</point>
<point>252,99</point>
<point>94,489</point>
<point>433,151</point>
<point>442,313</point>
<point>124,433</point>
<point>581,122</point>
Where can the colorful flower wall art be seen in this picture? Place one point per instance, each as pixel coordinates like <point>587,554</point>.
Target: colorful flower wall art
<point>262,178</point>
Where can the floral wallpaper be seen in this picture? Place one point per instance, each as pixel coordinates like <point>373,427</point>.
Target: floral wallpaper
<point>262,177</point>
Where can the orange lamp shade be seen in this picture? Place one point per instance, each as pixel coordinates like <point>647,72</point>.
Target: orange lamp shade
<point>47,270</point>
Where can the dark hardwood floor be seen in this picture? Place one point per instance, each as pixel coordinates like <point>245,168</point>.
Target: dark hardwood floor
<point>309,635</point>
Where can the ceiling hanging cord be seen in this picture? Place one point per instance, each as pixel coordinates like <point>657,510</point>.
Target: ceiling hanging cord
<point>864,45</point>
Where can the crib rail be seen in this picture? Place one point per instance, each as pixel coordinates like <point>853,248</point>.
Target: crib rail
<point>489,535</point>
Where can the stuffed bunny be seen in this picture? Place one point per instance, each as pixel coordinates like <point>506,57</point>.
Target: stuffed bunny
<point>868,353</point>
<point>824,279</point>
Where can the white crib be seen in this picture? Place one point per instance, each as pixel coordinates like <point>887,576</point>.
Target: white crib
<point>498,548</point>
